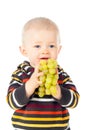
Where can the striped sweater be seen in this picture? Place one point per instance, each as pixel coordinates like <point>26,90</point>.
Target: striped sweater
<point>35,113</point>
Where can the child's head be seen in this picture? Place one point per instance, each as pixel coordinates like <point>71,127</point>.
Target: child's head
<point>40,40</point>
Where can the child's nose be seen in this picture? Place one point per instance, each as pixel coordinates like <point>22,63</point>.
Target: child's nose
<point>45,50</point>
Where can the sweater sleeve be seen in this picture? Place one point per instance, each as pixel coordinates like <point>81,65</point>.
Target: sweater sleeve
<point>16,95</point>
<point>70,95</point>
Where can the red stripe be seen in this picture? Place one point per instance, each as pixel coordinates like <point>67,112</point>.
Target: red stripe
<point>60,82</point>
<point>73,88</point>
<point>25,80</point>
<point>42,112</point>
<point>43,106</point>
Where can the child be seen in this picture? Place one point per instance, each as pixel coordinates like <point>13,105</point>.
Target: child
<point>40,41</point>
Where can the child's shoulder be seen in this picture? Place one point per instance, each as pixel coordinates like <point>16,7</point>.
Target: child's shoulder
<point>60,68</point>
<point>23,67</point>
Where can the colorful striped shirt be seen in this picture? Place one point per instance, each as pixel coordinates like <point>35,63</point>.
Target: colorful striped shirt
<point>34,112</point>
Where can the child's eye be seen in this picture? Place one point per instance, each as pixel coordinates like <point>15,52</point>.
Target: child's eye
<point>52,46</point>
<point>37,46</point>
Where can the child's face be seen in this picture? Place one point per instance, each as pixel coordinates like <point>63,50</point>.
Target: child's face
<point>40,44</point>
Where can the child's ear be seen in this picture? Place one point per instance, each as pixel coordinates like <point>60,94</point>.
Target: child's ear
<point>23,50</point>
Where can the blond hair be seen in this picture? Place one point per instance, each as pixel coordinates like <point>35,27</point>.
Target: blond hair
<point>41,23</point>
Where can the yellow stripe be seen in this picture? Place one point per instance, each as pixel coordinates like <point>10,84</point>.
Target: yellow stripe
<point>41,119</point>
<point>11,102</point>
<point>74,104</point>
<point>40,125</point>
<point>78,96</point>
<point>16,71</point>
<point>14,78</point>
<point>22,65</point>
<point>66,79</point>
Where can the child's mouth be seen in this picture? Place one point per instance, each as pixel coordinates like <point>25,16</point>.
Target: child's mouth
<point>44,58</point>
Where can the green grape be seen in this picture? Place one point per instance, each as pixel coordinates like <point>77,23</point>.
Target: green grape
<point>51,65</point>
<point>50,75</point>
<point>55,64</point>
<point>43,62</point>
<point>41,89</point>
<point>42,78</point>
<point>50,61</point>
<point>44,67</point>
<point>54,81</point>
<point>56,76</point>
<point>47,85</point>
<point>53,90</point>
<point>41,94</point>
<point>52,71</point>
<point>49,80</point>
<point>47,91</point>
<point>40,68</point>
<point>45,72</point>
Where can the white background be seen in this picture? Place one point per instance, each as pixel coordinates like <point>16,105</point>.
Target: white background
<point>69,15</point>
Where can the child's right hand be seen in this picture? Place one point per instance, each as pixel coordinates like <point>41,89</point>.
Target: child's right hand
<point>33,82</point>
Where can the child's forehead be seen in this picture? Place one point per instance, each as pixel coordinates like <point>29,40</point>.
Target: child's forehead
<point>39,28</point>
<point>40,24</point>
<point>40,34</point>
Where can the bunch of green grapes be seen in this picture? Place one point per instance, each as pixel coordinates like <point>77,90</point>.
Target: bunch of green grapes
<point>49,78</point>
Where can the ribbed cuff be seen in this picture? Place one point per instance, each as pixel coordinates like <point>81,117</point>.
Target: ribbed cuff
<point>20,95</point>
<point>66,96</point>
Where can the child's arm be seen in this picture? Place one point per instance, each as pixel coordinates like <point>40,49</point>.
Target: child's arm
<point>22,87</point>
<point>16,92</point>
<point>67,94</point>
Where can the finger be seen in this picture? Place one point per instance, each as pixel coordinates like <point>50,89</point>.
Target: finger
<point>39,82</point>
<point>40,74</point>
<point>37,68</point>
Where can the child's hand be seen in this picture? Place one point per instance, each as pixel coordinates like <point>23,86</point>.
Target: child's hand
<point>58,95</point>
<point>33,82</point>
